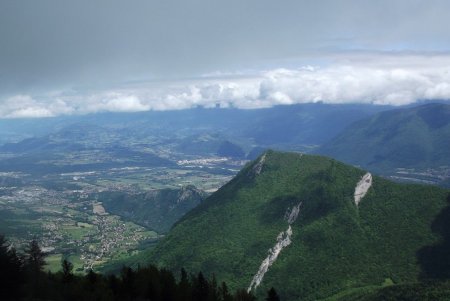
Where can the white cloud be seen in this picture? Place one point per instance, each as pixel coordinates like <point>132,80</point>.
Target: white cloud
<point>24,106</point>
<point>363,78</point>
<point>112,102</point>
<point>30,113</point>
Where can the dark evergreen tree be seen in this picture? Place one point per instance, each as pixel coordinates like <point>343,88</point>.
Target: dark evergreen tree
<point>128,290</point>
<point>243,295</point>
<point>153,291</point>
<point>67,268</point>
<point>272,295</point>
<point>201,288</point>
<point>11,275</point>
<point>168,285</point>
<point>113,285</point>
<point>34,257</point>
<point>184,287</point>
<point>91,280</point>
<point>213,291</point>
<point>224,293</point>
<point>34,265</point>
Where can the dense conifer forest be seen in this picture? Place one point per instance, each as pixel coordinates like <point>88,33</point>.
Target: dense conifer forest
<point>22,277</point>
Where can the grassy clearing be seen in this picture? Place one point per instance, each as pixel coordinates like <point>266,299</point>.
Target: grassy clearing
<point>74,232</point>
<point>77,263</point>
<point>84,225</point>
<point>53,263</point>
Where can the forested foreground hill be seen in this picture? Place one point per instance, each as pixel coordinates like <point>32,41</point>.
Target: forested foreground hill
<point>312,227</point>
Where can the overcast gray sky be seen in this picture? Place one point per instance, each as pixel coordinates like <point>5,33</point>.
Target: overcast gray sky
<point>65,57</point>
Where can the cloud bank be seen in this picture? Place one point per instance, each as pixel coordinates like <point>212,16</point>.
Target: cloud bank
<point>366,78</point>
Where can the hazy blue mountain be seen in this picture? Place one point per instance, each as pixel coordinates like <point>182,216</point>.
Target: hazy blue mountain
<point>229,149</point>
<point>77,147</point>
<point>307,124</point>
<point>255,152</point>
<point>282,126</point>
<point>200,144</point>
<point>115,140</point>
<point>409,138</point>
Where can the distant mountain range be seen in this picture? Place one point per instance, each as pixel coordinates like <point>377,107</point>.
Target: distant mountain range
<point>282,126</point>
<point>312,227</point>
<point>147,139</point>
<point>407,138</point>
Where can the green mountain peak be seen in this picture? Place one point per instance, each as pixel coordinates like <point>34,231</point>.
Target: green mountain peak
<point>308,225</point>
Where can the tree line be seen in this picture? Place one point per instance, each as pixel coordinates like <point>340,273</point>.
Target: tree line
<point>22,277</point>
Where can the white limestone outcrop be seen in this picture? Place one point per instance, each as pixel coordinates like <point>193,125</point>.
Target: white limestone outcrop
<point>258,166</point>
<point>291,215</point>
<point>283,240</point>
<point>362,187</point>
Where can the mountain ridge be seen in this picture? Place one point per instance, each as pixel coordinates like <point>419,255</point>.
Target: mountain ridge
<point>335,244</point>
<point>155,209</point>
<point>408,138</point>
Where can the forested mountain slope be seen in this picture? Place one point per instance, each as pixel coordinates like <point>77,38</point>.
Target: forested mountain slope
<point>309,226</point>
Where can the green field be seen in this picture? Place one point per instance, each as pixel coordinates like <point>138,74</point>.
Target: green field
<point>53,263</point>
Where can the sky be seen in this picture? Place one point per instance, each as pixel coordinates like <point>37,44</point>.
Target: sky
<point>62,57</point>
